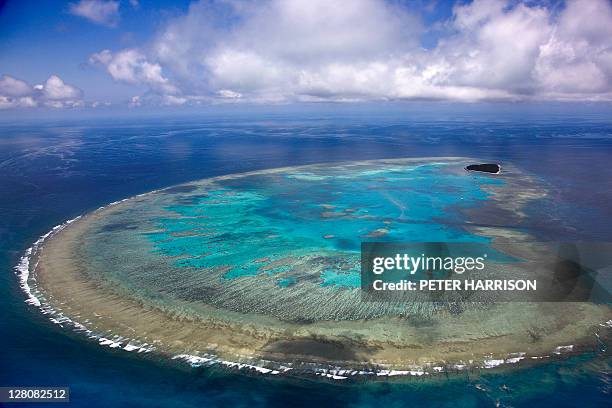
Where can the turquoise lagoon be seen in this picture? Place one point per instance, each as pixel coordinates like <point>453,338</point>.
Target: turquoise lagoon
<point>241,222</point>
<point>274,241</point>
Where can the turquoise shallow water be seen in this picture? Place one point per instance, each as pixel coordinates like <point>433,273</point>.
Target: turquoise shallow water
<point>283,242</point>
<point>248,222</point>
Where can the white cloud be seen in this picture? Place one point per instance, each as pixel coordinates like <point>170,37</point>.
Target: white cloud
<point>97,104</point>
<point>173,100</point>
<point>101,12</point>
<point>132,66</point>
<point>495,47</point>
<point>135,101</point>
<point>10,86</point>
<point>54,93</point>
<point>21,102</point>
<point>229,94</point>
<point>577,58</point>
<point>317,50</point>
<point>55,89</point>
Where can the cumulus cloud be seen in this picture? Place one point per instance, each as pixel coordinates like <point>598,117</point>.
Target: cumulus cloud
<point>54,93</point>
<point>317,50</point>
<point>576,59</point>
<point>13,87</point>
<point>21,102</point>
<point>55,89</point>
<point>101,12</point>
<point>495,47</point>
<point>132,66</point>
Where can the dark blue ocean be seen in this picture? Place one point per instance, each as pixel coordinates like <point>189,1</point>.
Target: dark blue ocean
<point>55,169</point>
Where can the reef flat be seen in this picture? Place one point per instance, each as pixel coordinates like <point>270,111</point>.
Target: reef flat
<point>262,268</point>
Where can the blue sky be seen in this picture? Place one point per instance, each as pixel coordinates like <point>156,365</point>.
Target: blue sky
<point>40,38</point>
<point>88,54</point>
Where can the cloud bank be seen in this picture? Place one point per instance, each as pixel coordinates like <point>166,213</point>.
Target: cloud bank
<point>317,50</point>
<point>282,51</point>
<point>54,93</point>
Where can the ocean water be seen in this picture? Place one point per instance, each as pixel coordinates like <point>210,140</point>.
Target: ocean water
<point>51,171</point>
